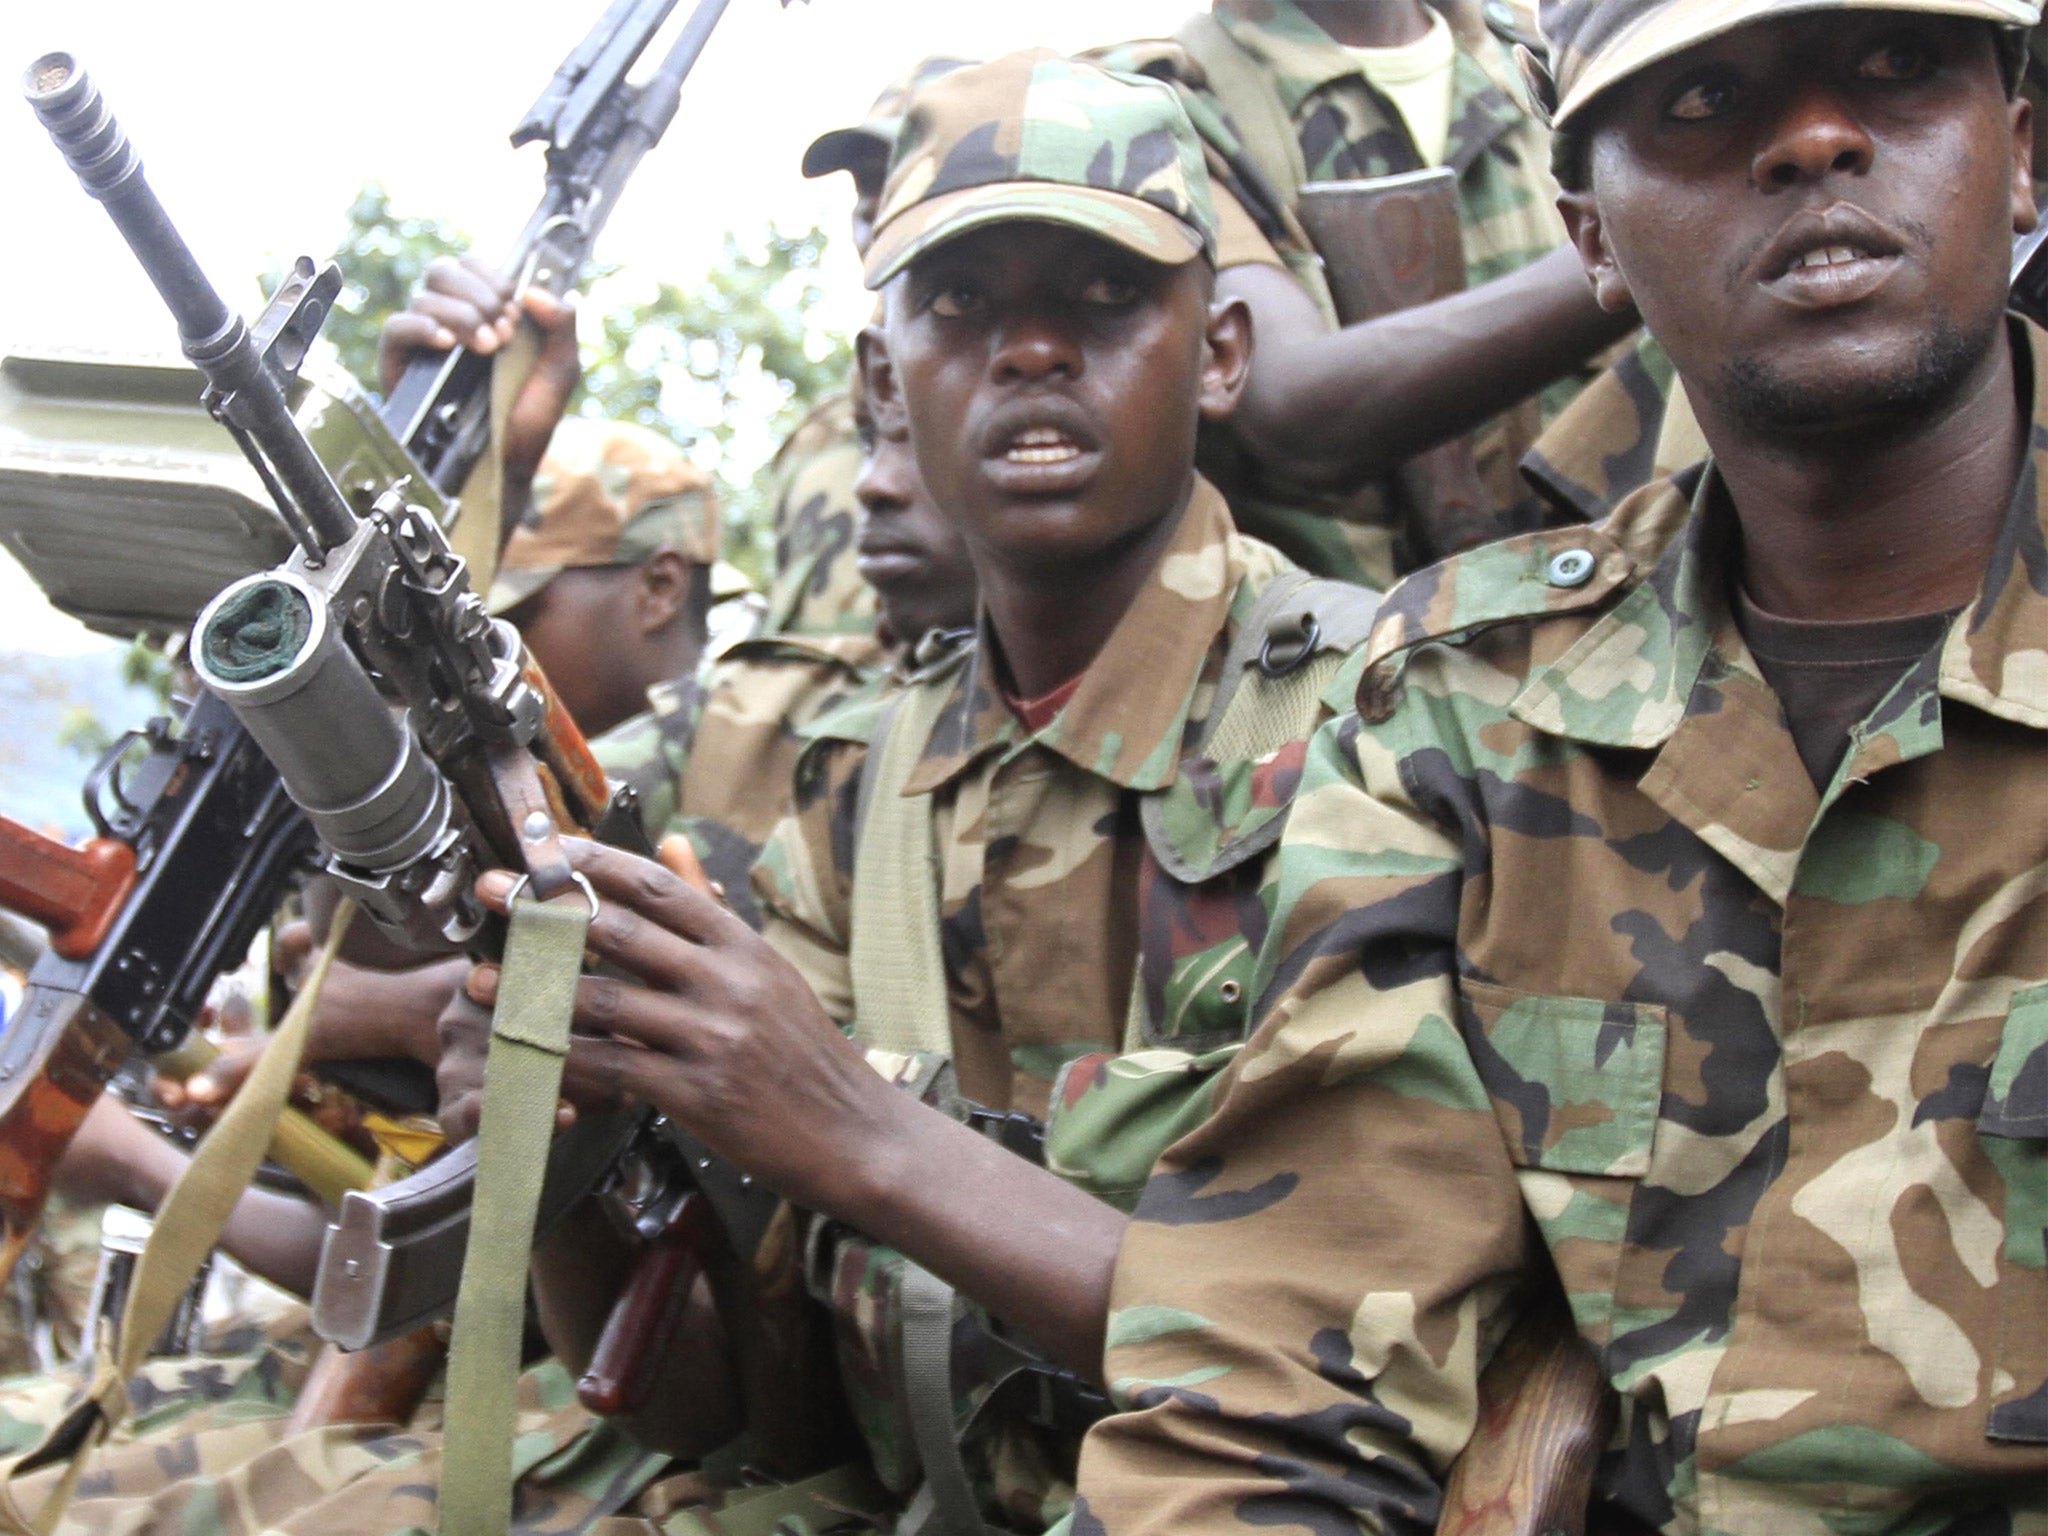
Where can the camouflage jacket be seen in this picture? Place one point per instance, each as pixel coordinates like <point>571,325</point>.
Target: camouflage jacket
<point>1347,129</point>
<point>736,727</point>
<point>1045,852</point>
<point>1771,1092</point>
<point>816,590</point>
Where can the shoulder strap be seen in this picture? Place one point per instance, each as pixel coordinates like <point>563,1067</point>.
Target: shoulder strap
<point>899,969</point>
<point>1253,105</point>
<point>1290,645</point>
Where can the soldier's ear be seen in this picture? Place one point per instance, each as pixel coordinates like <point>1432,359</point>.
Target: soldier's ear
<point>878,381</point>
<point>1227,359</point>
<point>1588,234</point>
<point>661,586</point>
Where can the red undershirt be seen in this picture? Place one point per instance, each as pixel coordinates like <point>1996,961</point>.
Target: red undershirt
<point>1036,714</point>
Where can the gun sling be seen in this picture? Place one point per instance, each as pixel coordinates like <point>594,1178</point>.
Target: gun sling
<point>187,1227</point>
<point>529,1039</point>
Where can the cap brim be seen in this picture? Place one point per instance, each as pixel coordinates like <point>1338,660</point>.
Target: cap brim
<point>514,587</point>
<point>1670,29</point>
<point>844,148</point>
<point>1139,226</point>
<point>728,581</point>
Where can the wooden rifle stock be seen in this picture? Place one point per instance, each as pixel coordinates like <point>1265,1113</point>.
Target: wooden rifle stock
<point>1391,243</point>
<point>1545,1414</point>
<point>73,892</point>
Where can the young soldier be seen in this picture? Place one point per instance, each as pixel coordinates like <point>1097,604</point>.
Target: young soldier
<point>1100,810</point>
<point>1669,914</point>
<point>714,760</point>
<point>1289,92</point>
<point>610,576</point>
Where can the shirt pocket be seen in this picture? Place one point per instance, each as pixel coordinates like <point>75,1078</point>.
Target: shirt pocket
<point>1575,1083</point>
<point>2012,1128</point>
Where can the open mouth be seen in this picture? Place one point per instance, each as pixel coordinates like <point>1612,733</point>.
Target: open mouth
<point>1830,257</point>
<point>1042,445</point>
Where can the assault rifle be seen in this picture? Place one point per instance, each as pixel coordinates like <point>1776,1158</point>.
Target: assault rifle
<point>194,843</point>
<point>480,767</point>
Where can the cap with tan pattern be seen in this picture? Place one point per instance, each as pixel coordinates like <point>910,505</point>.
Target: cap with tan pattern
<point>1042,138</point>
<point>844,149</point>
<point>1595,44</point>
<point>608,493</point>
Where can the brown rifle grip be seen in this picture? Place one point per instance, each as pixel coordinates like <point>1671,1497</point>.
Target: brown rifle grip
<point>74,892</point>
<point>379,1385</point>
<point>1545,1414</point>
<point>643,1320</point>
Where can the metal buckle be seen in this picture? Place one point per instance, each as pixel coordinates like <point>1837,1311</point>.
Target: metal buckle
<point>576,875</point>
<point>1297,646</point>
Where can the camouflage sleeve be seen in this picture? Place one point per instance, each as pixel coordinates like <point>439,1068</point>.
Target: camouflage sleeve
<point>1315,1276</point>
<point>804,876</point>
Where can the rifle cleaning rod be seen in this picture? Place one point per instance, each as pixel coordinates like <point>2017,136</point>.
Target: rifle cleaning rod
<point>212,335</point>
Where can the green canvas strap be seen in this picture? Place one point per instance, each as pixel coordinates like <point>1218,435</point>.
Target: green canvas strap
<point>188,1224</point>
<point>946,1503</point>
<point>523,1078</point>
<point>899,969</point>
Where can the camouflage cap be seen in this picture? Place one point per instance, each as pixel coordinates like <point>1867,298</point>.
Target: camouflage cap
<point>1597,43</point>
<point>608,493</point>
<point>874,136</point>
<point>1045,139</point>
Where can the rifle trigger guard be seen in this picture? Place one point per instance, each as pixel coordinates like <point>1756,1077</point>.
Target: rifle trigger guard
<point>578,876</point>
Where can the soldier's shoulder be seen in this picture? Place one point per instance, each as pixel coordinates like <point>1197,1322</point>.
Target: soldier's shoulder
<point>1512,586</point>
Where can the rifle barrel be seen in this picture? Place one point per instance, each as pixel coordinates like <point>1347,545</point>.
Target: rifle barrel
<point>212,335</point>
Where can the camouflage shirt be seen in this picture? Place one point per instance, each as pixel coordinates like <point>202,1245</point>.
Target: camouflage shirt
<point>1048,843</point>
<point>1346,130</point>
<point>714,756</point>
<point>1771,1091</point>
<point>817,590</point>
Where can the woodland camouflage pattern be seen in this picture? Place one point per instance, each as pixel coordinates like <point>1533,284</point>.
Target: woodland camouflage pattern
<point>714,756</point>
<point>1631,427</point>
<point>817,589</point>
<point>1773,1095</point>
<point>51,1287</point>
<point>1044,856</point>
<point>1347,130</point>
<point>1039,137</point>
<point>1595,43</point>
<point>608,493</point>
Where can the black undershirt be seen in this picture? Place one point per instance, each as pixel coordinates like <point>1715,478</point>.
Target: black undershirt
<point>1829,676</point>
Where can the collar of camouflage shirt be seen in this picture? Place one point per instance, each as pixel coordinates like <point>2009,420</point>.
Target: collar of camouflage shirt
<point>1128,719</point>
<point>1486,92</point>
<point>1656,662</point>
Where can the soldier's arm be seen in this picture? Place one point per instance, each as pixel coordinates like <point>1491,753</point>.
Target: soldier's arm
<point>1315,1277</point>
<point>1339,408</point>
<point>115,1158</point>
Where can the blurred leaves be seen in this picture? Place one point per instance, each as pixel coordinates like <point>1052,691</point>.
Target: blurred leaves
<point>723,365</point>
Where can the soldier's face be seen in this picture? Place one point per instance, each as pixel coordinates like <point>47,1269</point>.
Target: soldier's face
<point>1052,383</point>
<point>1814,215</point>
<point>914,558</point>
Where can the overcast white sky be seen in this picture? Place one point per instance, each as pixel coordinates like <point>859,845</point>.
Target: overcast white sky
<point>258,119</point>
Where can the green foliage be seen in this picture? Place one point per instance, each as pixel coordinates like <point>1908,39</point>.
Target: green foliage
<point>727,366</point>
<point>723,366</point>
<point>383,256</point>
<point>143,665</point>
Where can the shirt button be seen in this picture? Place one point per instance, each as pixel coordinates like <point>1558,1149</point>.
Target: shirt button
<point>1570,568</point>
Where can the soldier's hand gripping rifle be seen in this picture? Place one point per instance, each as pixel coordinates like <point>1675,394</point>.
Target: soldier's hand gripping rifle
<point>482,768</point>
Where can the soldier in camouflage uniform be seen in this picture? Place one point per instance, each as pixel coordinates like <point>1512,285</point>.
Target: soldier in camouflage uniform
<point>609,575</point>
<point>714,760</point>
<point>817,590</point>
<point>1668,918</point>
<point>1101,816</point>
<point>1282,101</point>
